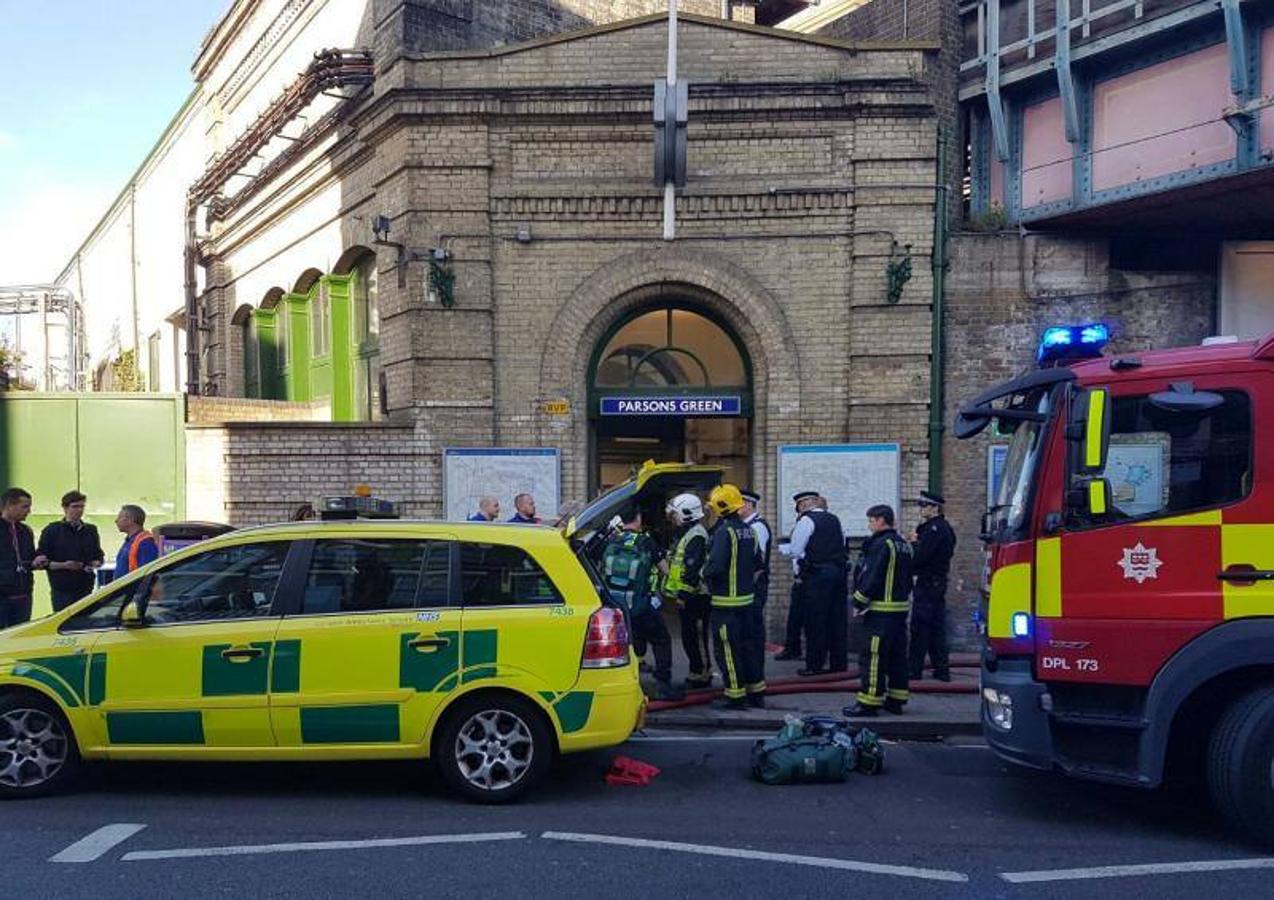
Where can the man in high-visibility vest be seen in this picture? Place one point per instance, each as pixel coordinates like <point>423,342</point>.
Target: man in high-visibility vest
<point>684,585</point>
<point>139,545</point>
<point>730,575</point>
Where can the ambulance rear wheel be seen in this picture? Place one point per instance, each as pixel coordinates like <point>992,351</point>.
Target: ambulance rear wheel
<point>493,748</point>
<point>38,755</point>
<point>1241,765</point>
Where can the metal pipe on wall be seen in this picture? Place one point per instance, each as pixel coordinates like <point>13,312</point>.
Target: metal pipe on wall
<point>192,300</point>
<point>939,257</point>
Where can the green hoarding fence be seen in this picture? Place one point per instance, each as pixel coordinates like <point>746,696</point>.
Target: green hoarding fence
<point>116,448</point>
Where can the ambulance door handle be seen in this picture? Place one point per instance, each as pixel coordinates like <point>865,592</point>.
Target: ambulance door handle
<point>242,654</point>
<point>1245,574</point>
<point>428,645</point>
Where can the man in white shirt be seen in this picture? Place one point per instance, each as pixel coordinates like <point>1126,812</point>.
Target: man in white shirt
<point>817,550</point>
<point>754,621</point>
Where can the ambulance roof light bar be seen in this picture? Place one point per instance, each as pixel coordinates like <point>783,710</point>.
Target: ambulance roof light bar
<point>359,505</point>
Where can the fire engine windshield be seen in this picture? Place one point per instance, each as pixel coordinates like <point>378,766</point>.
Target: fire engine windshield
<point>1008,514</point>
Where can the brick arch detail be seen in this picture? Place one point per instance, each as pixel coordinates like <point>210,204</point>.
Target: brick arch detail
<point>730,293</point>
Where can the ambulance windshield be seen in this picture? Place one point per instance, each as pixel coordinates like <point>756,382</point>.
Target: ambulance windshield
<point>1012,500</point>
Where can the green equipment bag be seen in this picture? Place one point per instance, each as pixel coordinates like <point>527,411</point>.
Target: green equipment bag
<point>817,749</point>
<point>871,755</point>
<point>803,760</point>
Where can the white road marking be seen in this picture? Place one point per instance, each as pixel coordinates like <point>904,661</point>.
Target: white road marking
<point>1178,868</point>
<point>253,849</point>
<point>95,845</point>
<point>760,855</point>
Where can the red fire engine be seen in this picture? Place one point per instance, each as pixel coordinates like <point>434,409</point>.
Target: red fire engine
<point>1130,614</point>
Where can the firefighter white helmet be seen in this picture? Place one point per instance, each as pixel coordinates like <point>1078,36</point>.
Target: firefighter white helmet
<point>685,508</point>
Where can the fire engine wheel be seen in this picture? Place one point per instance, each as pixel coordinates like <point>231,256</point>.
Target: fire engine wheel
<point>1241,765</point>
<point>38,755</point>
<point>493,748</point>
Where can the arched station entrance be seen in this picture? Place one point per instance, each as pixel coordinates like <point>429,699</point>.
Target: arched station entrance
<point>669,382</point>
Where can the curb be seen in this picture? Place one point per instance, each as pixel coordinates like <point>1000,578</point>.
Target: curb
<point>917,728</point>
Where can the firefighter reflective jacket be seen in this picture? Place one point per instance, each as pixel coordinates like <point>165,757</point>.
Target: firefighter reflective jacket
<point>628,564</point>
<point>730,572</point>
<point>883,580</point>
<point>685,572</point>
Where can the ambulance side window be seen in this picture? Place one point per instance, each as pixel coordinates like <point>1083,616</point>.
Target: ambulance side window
<point>376,575</point>
<point>102,614</point>
<point>502,575</point>
<point>1167,463</point>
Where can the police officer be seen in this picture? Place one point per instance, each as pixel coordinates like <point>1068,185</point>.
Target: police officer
<point>754,625</point>
<point>932,549</point>
<point>817,549</point>
<point>730,576</point>
<point>628,565</point>
<point>684,585</point>
<point>882,586</point>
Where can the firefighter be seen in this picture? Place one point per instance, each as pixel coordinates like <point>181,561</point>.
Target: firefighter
<point>754,630</point>
<point>882,588</point>
<point>684,585</point>
<point>932,549</point>
<point>730,575</point>
<point>628,565</point>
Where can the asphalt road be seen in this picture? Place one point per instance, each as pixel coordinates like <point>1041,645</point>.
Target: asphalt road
<point>948,821</point>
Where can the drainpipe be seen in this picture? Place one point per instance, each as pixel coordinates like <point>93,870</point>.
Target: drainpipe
<point>192,301</point>
<point>132,275</point>
<point>939,296</point>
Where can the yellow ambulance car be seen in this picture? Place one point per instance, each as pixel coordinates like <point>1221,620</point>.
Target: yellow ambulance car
<point>488,648</point>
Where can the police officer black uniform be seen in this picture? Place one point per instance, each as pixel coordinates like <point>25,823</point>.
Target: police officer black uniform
<point>882,587</point>
<point>754,624</point>
<point>818,547</point>
<point>932,550</point>
<point>730,576</point>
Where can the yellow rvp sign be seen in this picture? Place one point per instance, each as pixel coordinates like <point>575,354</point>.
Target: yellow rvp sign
<point>558,407</point>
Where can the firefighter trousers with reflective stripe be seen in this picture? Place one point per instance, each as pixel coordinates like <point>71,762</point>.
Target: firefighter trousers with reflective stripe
<point>883,663</point>
<point>729,624</point>
<point>695,635</point>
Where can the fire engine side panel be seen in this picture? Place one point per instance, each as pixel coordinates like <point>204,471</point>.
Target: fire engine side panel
<point>1109,652</point>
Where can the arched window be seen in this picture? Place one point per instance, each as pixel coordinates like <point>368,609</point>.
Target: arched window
<point>671,347</point>
<point>369,388</point>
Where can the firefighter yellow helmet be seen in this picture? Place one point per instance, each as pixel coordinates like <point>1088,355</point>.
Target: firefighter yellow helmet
<point>725,500</point>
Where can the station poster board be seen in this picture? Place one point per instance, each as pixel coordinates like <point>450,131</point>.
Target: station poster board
<point>471,473</point>
<point>851,476</point>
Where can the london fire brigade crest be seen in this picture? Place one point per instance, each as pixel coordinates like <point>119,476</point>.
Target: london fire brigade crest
<point>1140,563</point>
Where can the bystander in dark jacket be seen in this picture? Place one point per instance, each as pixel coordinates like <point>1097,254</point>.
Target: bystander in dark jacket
<point>73,549</point>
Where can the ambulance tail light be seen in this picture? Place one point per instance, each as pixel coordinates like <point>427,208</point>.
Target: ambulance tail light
<point>606,643</point>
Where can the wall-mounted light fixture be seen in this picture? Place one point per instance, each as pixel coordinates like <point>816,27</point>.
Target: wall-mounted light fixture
<point>441,281</point>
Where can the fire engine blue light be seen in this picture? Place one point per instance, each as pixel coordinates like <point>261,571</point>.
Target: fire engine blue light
<point>1058,336</point>
<point>1069,342</point>
<point>1094,334</point>
<point>1021,624</point>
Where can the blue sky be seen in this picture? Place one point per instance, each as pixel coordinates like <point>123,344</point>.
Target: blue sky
<point>89,86</point>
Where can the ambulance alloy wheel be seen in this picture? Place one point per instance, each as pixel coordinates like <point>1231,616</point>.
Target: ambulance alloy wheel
<point>1241,764</point>
<point>493,748</point>
<point>38,755</point>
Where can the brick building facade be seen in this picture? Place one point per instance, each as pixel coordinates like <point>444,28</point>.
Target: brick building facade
<point>527,166</point>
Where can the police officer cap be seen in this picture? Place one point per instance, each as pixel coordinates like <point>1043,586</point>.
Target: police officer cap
<point>930,499</point>
<point>804,495</point>
<point>751,496</point>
